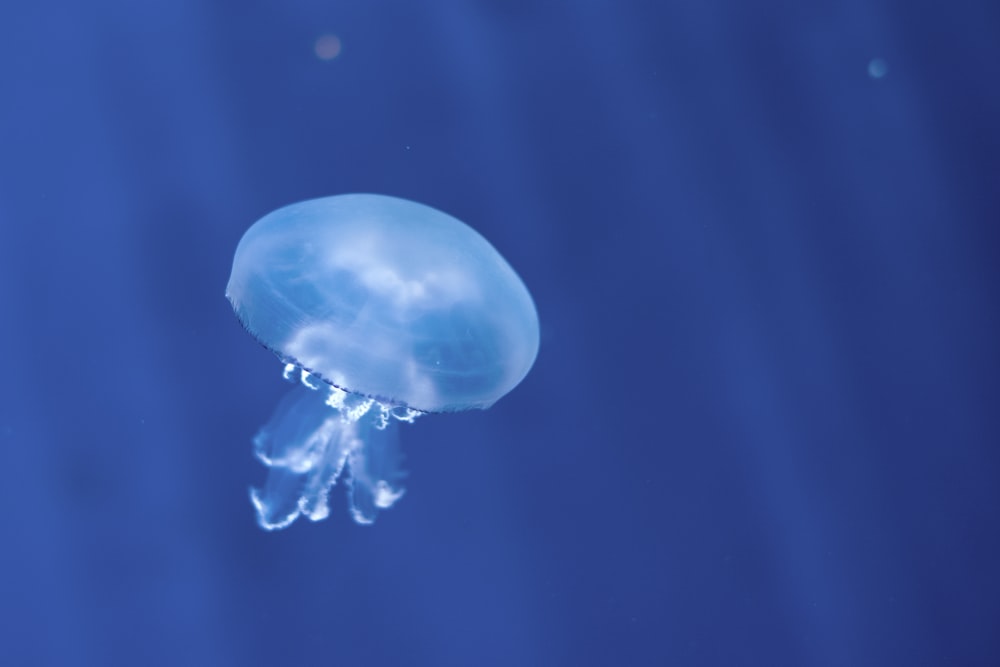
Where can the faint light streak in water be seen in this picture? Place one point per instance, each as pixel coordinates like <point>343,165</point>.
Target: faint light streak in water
<point>877,68</point>
<point>327,47</point>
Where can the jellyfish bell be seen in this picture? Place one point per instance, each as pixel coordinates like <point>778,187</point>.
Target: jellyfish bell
<point>387,298</point>
<point>381,309</point>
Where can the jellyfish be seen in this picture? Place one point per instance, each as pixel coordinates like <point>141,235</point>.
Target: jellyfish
<point>380,310</point>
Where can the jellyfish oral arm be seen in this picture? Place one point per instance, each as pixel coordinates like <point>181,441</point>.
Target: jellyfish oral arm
<point>317,435</point>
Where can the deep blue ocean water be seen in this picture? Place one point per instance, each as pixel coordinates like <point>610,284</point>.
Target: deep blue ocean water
<point>764,244</point>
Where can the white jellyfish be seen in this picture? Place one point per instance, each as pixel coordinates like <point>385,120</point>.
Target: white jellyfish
<point>381,309</point>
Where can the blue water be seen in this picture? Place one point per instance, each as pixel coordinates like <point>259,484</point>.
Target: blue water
<point>763,242</point>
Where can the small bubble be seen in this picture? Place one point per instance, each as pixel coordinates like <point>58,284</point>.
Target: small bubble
<point>877,68</point>
<point>327,47</point>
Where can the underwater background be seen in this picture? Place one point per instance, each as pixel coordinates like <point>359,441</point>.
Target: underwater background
<point>764,244</point>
